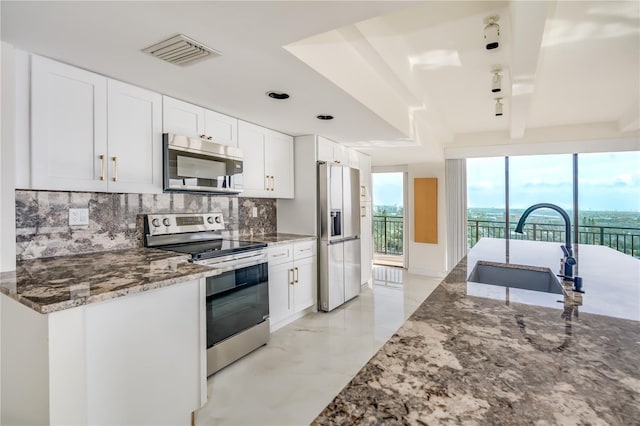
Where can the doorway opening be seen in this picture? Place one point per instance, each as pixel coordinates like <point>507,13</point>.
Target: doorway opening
<point>389,201</point>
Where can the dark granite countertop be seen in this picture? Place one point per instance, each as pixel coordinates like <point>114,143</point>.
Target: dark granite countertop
<point>56,283</point>
<point>277,238</point>
<point>479,354</point>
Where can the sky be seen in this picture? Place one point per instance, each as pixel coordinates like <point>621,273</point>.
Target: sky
<point>607,181</point>
<point>387,189</point>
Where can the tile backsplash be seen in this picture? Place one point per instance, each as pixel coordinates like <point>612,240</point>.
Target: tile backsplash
<point>115,220</point>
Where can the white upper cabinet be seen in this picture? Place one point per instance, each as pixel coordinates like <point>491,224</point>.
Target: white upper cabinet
<point>279,158</point>
<point>353,158</point>
<point>252,143</point>
<point>220,128</point>
<point>91,133</point>
<point>182,118</point>
<point>365,177</point>
<point>134,139</point>
<point>268,162</point>
<point>186,119</point>
<point>332,151</point>
<point>68,127</point>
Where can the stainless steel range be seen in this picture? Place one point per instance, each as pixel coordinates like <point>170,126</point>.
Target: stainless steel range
<point>237,298</point>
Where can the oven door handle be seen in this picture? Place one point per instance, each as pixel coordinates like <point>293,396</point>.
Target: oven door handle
<point>233,265</point>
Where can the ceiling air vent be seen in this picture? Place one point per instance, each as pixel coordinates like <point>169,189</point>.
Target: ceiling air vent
<point>181,50</point>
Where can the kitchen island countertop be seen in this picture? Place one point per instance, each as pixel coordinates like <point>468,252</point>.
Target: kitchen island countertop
<point>56,283</point>
<point>484,354</point>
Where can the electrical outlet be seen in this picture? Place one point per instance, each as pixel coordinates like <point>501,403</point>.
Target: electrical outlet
<point>254,212</point>
<point>78,216</point>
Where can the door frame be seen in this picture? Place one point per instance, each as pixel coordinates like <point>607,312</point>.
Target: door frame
<point>405,181</point>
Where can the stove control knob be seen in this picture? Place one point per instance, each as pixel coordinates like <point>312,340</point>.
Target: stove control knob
<point>166,221</point>
<point>155,222</point>
<point>218,219</point>
<point>210,220</point>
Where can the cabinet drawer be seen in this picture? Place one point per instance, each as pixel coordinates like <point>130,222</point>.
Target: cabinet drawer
<point>304,249</point>
<point>280,254</point>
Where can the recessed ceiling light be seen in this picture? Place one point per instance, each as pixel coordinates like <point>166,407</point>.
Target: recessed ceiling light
<point>277,95</point>
<point>324,117</point>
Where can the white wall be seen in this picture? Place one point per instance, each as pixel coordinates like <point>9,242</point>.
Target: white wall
<point>428,259</point>
<point>7,161</point>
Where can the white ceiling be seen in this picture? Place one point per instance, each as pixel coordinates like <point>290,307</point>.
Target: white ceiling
<point>404,78</point>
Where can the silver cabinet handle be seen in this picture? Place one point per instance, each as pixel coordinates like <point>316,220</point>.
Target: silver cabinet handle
<point>295,280</point>
<point>363,211</point>
<point>101,166</point>
<point>267,183</point>
<point>203,136</point>
<point>363,191</point>
<point>115,168</point>
<point>273,183</point>
<point>209,138</point>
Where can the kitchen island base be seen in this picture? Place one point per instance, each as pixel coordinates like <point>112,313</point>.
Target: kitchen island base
<point>134,360</point>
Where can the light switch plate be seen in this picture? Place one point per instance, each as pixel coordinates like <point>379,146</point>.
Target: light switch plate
<point>78,216</point>
<point>254,212</point>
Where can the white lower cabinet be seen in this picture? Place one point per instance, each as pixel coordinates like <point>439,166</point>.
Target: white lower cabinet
<point>134,360</point>
<point>292,281</point>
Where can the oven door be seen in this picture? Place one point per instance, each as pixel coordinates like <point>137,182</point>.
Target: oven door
<point>195,165</point>
<point>236,300</point>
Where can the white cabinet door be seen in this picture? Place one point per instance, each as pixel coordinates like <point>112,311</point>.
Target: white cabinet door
<point>365,178</point>
<point>340,154</point>
<point>279,164</point>
<point>221,128</point>
<point>304,288</point>
<point>280,281</point>
<point>353,158</point>
<point>366,238</point>
<point>68,127</point>
<point>325,149</point>
<point>331,151</point>
<point>182,118</point>
<point>135,139</point>
<point>251,141</point>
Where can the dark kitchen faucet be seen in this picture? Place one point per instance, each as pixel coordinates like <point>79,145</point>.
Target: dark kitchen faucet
<point>569,261</point>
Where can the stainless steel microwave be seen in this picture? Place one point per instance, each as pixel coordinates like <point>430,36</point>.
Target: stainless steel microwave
<point>197,165</point>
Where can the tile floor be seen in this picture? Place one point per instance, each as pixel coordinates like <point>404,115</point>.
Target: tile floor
<point>306,363</point>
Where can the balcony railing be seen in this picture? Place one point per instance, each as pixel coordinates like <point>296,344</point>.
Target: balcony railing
<point>625,240</point>
<point>387,235</point>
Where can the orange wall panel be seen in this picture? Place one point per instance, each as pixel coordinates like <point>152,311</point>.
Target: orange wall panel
<point>425,213</point>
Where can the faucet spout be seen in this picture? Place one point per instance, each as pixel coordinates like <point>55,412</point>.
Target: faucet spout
<point>565,216</point>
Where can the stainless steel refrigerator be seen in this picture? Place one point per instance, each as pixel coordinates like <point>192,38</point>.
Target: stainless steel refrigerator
<point>339,230</point>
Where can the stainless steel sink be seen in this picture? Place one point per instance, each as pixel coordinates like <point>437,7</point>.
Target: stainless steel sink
<point>516,276</point>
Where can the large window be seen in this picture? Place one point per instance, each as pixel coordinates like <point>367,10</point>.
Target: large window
<point>485,198</point>
<point>607,205</point>
<point>537,179</point>
<point>609,200</point>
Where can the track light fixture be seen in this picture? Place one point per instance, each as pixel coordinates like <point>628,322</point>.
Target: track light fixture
<point>496,82</point>
<point>492,33</point>
<point>498,108</point>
